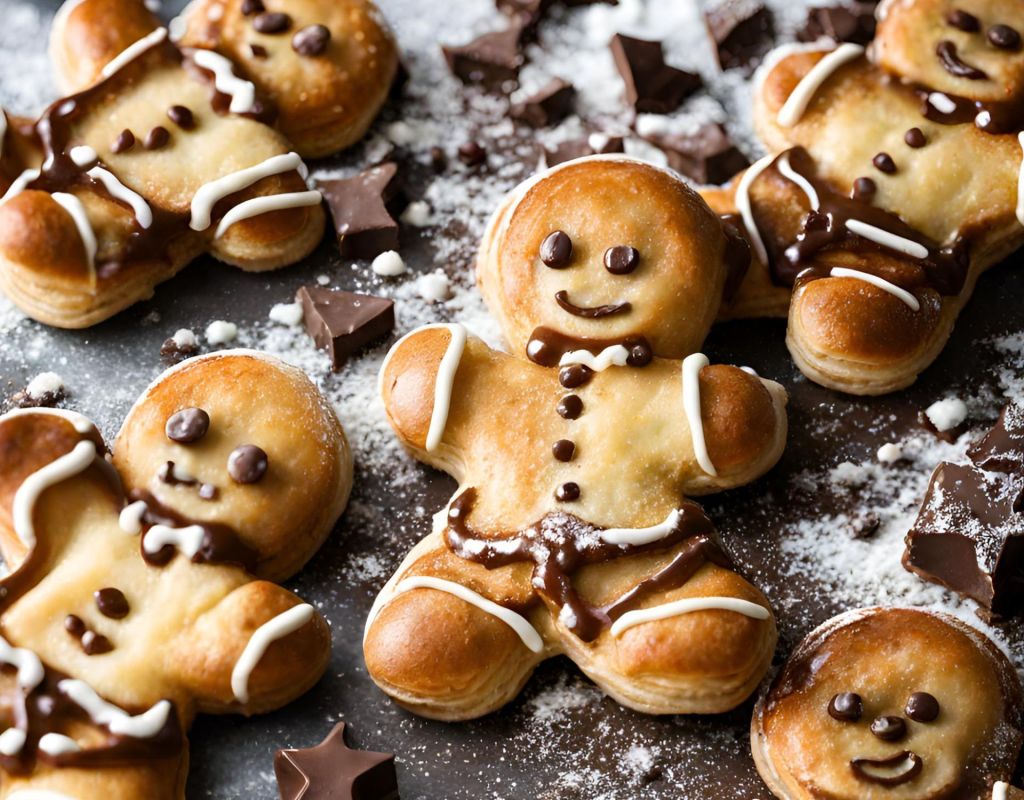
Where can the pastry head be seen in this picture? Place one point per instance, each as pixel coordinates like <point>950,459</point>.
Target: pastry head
<point>889,703</point>
<point>607,249</point>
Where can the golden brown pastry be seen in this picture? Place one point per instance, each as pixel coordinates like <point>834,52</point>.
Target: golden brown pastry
<point>166,150</point>
<point>143,588</point>
<point>891,185</point>
<point>570,532</point>
<point>896,703</point>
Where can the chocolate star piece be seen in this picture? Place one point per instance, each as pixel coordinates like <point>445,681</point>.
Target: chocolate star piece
<point>342,323</point>
<point>333,771</point>
<point>705,155</point>
<point>546,107</point>
<point>362,209</point>
<point>850,22</point>
<point>492,60</point>
<point>741,30</point>
<point>652,87</point>
<point>595,144</point>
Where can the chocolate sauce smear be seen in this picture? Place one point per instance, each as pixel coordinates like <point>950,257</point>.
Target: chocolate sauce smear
<point>546,347</point>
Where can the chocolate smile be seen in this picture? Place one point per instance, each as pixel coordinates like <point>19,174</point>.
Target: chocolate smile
<point>594,312</point>
<point>892,771</point>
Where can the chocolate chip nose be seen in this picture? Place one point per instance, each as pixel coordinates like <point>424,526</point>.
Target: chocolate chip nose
<point>889,729</point>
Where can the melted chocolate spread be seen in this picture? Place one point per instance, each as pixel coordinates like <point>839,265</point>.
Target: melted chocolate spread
<point>989,116</point>
<point>560,544</point>
<point>547,346</point>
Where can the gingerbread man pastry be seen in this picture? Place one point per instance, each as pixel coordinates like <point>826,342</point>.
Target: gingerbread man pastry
<point>893,183</point>
<point>895,703</point>
<point>143,587</point>
<point>168,150</point>
<point>569,533</point>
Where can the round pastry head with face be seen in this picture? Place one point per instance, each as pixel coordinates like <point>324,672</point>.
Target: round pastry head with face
<point>244,442</point>
<point>889,703</point>
<point>607,250</point>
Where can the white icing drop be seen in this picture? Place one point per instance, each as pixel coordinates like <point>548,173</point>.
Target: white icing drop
<point>640,536</point>
<point>616,356</point>
<point>1000,790</point>
<point>133,51</point>
<point>187,540</point>
<point>434,286</point>
<point>11,741</point>
<point>56,744</point>
<point>43,384</point>
<point>887,239</point>
<point>263,205</point>
<point>889,453</point>
<point>947,414</point>
<point>805,185</point>
<point>210,193</point>
<point>896,291</point>
<point>143,213</point>
<point>19,184</point>
<point>282,625</point>
<point>692,365</point>
<point>746,212</point>
<point>74,207</point>
<point>688,606</point>
<point>220,332</point>
<point>796,104</point>
<point>290,314</point>
<point>242,92</point>
<point>1020,183</point>
<point>941,103</point>
<point>68,465</point>
<point>83,155</point>
<point>417,214</point>
<point>130,518</point>
<point>388,264</point>
<point>118,722</point>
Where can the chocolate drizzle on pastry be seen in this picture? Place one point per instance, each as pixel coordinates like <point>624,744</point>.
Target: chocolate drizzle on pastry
<point>560,544</point>
<point>546,347</point>
<point>590,312</point>
<point>956,66</point>
<point>988,116</point>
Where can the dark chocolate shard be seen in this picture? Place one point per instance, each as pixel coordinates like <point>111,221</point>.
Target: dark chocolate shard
<point>333,771</point>
<point>548,106</point>
<point>705,155</point>
<point>492,60</point>
<point>362,208</point>
<point>652,86</point>
<point>1002,448</point>
<point>595,144</point>
<point>850,22</point>
<point>342,323</point>
<point>741,31</point>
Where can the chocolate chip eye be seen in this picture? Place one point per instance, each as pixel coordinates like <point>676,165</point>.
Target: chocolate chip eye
<point>846,707</point>
<point>964,21</point>
<point>187,426</point>
<point>247,464</point>
<point>1004,37</point>
<point>922,707</point>
<point>621,260</point>
<point>556,250</point>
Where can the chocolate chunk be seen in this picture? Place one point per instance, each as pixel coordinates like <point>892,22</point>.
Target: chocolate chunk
<point>964,21</point>
<point>157,138</point>
<point>706,155</point>
<point>124,142</point>
<point>247,464</point>
<point>187,426</point>
<point>741,31</point>
<point>362,208</point>
<point>556,250</point>
<point>652,87</point>
<point>567,492</point>
<point>250,7</point>
<point>182,117</point>
<point>915,138</point>
<point>1002,448</point>
<point>472,154</point>
<point>883,163</point>
<point>311,40</point>
<point>111,603</point>
<point>492,60</point>
<point>342,323</point>
<point>563,450</point>
<point>548,106</point>
<point>595,144</point>
<point>1004,37</point>
<point>333,770</point>
<point>850,22</point>
<point>271,22</point>
<point>173,351</point>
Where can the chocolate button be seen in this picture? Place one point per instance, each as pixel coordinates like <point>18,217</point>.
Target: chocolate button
<point>922,707</point>
<point>1004,37</point>
<point>915,138</point>
<point>963,21</point>
<point>124,142</point>
<point>157,138</point>
<point>187,426</point>
<point>570,407</point>
<point>563,450</point>
<point>889,729</point>
<point>250,7</point>
<point>247,464</point>
<point>883,163</point>
<point>111,603</point>
<point>182,117</point>
<point>74,625</point>
<point>556,250</point>
<point>621,260</point>
<point>311,40</point>
<point>864,189</point>
<point>574,375</point>
<point>567,492</point>
<point>272,22</point>
<point>846,707</point>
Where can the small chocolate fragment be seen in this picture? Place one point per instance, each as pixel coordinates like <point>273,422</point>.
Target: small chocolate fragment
<point>342,323</point>
<point>271,22</point>
<point>548,106</point>
<point>47,399</point>
<point>1002,448</point>
<point>332,769</point>
<point>964,21</point>
<point>563,450</point>
<point>1004,37</point>
<point>851,22</point>
<point>567,492</point>
<point>182,117</point>
<point>741,30</point>
<point>157,138</point>
<point>652,86</point>
<point>362,208</point>
<point>595,144</point>
<point>250,7</point>
<point>124,142</point>
<point>492,60</point>
<point>846,707</point>
<point>311,40</point>
<point>112,603</point>
<point>438,159</point>
<point>187,426</point>
<point>174,352</point>
<point>472,154</point>
<point>883,163</point>
<point>556,250</point>
<point>915,138</point>
<point>865,526</point>
<point>922,707</point>
<point>864,189</point>
<point>570,407</point>
<point>258,50</point>
<point>247,464</point>
<point>706,155</point>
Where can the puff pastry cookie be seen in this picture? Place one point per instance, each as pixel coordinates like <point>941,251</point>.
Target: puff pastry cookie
<point>570,532</point>
<point>143,587</point>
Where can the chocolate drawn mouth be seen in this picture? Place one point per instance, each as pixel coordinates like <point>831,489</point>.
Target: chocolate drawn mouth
<point>892,771</point>
<point>594,312</point>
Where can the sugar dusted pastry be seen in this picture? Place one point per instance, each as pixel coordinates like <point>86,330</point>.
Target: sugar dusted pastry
<point>894,703</point>
<point>143,589</point>
<point>570,532</point>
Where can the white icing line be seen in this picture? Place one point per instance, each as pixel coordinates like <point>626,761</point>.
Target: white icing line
<point>787,171</point>
<point>82,155</point>
<point>896,291</point>
<point>743,204</point>
<point>444,384</point>
<point>11,741</point>
<point>796,104</point>
<point>692,365</point>
<point>28,493</point>
<point>282,625</point>
<point>3,130</point>
<point>264,205</point>
<point>518,623</point>
<point>19,184</point>
<point>143,213</point>
<point>130,518</point>
<point>1000,790</point>
<point>616,355</point>
<point>887,239</point>
<point>688,606</point>
<point>79,422</point>
<point>38,794</point>
<point>187,540</point>
<point>639,536</point>
<point>74,207</point>
<point>133,51</point>
<point>242,92</point>
<point>27,663</point>
<point>118,722</point>
<point>1020,183</point>
<point>210,193</point>
<point>56,744</point>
